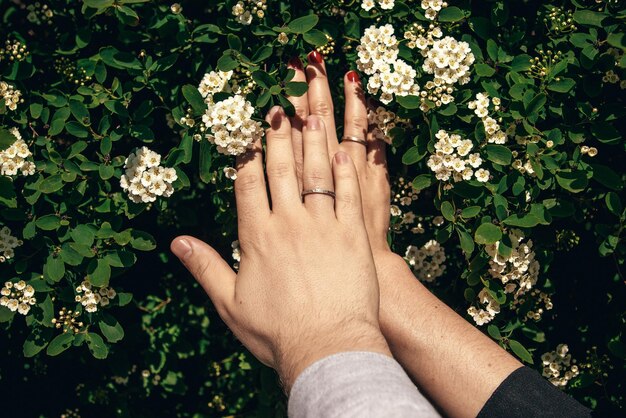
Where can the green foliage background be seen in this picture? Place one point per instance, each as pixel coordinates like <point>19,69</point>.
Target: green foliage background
<point>104,77</point>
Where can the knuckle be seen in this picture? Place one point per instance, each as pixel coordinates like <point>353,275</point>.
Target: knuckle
<point>322,108</point>
<point>314,175</point>
<point>359,123</point>
<point>347,201</point>
<point>279,170</point>
<point>247,182</point>
<point>301,111</point>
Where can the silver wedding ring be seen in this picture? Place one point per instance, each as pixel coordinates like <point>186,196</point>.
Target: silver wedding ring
<point>318,190</point>
<point>354,139</point>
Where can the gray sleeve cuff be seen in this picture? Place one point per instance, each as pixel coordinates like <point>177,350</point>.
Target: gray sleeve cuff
<point>357,384</point>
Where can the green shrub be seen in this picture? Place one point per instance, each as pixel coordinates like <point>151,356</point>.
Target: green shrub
<point>506,163</point>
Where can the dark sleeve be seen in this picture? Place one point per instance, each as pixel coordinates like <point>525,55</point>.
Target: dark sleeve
<point>525,394</point>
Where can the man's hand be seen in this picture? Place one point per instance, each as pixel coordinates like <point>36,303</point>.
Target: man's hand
<point>306,286</point>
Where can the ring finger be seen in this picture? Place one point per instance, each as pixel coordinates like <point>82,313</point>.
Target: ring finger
<point>317,175</point>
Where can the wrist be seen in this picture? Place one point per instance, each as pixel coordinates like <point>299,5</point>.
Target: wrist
<point>362,337</point>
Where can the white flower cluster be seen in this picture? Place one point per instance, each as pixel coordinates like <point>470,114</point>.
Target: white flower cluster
<point>383,121</point>
<point>90,298</point>
<point>558,366</point>
<point>144,179</point>
<point>449,61</point>
<point>230,120</point>
<point>432,8</point>
<point>519,271</point>
<point>426,262</point>
<point>230,173</point>
<point>13,159</point>
<point>368,5</point>
<point>10,95</point>
<point>480,106</point>
<point>17,297</point>
<point>378,58</point>
<point>7,244</point>
<point>245,10</point>
<point>236,253</point>
<point>452,158</point>
<point>490,308</point>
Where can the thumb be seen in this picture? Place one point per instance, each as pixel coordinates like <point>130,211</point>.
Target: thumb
<point>209,269</point>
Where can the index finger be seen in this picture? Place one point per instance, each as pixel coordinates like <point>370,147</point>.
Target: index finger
<point>250,189</point>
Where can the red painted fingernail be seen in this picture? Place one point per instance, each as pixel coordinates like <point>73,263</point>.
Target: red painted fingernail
<point>295,63</point>
<point>316,57</point>
<point>353,76</point>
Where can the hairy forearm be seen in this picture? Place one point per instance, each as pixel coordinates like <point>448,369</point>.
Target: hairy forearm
<point>450,360</point>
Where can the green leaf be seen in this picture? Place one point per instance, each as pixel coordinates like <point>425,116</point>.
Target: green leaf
<point>193,96</point>
<point>296,88</point>
<point>589,18</point>
<point>499,154</point>
<point>124,298</point>
<point>111,329</point>
<point>53,269</point>
<point>564,85</point>
<point>97,346</point>
<point>227,62</point>
<point>60,343</point>
<point>262,53</point>
<point>411,156</point>
<point>470,212</point>
<point>409,102</point>
<point>6,139</point>
<point>494,332</point>
<point>525,221</point>
<point>487,233</point>
<point>84,234</point>
<point>447,210</point>
<point>99,272</point>
<point>574,181</point>
<point>142,241</point>
<point>467,243</point>
<point>205,161</point>
<point>36,341</point>
<point>264,79</point>
<point>536,104</point>
<point>422,181</point>
<point>484,70</point>
<point>303,24</point>
<point>451,14</point>
<point>315,37</point>
<point>48,222</point>
<point>613,203</point>
<point>51,184</point>
<point>607,177</point>
<point>520,351</point>
<point>120,59</point>
<point>98,4</point>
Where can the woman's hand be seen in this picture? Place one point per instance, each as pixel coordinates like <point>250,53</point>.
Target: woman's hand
<point>369,157</point>
<point>306,286</point>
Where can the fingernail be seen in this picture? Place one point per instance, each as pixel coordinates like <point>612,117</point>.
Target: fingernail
<point>295,63</point>
<point>181,248</point>
<point>316,57</point>
<point>341,157</point>
<point>353,76</point>
<point>313,123</point>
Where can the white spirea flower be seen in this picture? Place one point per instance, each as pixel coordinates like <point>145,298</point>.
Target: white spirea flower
<point>14,158</point>
<point>449,61</point>
<point>368,5</point>
<point>91,297</point>
<point>480,106</point>
<point>17,297</point>
<point>559,367</point>
<point>229,121</point>
<point>7,244</point>
<point>246,10</point>
<point>11,96</point>
<point>144,179</point>
<point>378,58</point>
<point>432,7</point>
<point>490,308</point>
<point>427,262</point>
<point>382,121</point>
<point>230,173</point>
<point>452,159</point>
<point>519,271</point>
